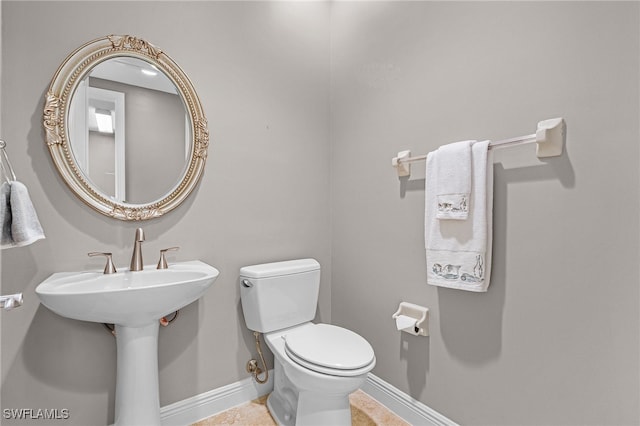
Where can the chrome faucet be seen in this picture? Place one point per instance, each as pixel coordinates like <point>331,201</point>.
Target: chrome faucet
<point>136,256</point>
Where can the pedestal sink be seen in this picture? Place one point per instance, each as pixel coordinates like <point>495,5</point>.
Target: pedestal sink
<point>134,302</point>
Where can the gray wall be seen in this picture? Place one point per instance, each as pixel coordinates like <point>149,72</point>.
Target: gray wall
<point>261,70</point>
<point>555,339</point>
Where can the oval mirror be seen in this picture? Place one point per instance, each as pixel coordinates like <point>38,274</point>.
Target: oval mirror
<point>125,128</point>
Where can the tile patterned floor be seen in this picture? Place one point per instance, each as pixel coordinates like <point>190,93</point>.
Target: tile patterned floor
<point>365,411</point>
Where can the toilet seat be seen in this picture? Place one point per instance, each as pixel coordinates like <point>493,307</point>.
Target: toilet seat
<point>329,349</point>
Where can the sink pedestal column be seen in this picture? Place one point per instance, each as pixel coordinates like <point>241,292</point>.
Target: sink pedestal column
<point>137,393</point>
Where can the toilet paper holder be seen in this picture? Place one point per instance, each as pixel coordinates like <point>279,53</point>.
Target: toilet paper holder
<point>419,313</point>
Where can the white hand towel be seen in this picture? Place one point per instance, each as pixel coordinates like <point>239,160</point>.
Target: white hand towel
<point>5,215</point>
<point>453,168</point>
<point>25,227</point>
<point>459,251</point>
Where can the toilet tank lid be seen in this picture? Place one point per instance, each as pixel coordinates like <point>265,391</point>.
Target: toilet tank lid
<point>275,269</point>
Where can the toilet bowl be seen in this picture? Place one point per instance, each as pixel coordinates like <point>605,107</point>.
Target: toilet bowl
<point>314,386</point>
<point>316,366</point>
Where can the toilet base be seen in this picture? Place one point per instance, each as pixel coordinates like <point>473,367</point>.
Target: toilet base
<point>312,409</point>
<point>322,409</point>
<point>289,405</point>
<point>279,410</point>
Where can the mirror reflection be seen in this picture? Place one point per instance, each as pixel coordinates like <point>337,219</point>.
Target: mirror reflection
<point>129,130</point>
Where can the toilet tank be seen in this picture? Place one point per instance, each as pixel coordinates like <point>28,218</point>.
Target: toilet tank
<point>279,295</point>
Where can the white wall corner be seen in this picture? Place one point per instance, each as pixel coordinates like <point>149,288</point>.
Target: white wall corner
<point>405,406</point>
<point>204,405</point>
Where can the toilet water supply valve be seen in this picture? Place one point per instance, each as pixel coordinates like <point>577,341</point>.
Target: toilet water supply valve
<point>252,364</point>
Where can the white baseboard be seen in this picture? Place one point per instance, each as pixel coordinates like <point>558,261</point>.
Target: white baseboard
<point>410,409</point>
<point>199,407</point>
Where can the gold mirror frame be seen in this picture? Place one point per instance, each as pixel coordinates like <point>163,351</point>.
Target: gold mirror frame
<point>63,85</point>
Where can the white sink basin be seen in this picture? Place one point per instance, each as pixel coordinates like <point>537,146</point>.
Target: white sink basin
<point>126,298</point>
<point>134,302</point>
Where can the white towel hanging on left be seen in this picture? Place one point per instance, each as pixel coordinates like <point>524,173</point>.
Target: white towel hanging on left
<point>20,224</point>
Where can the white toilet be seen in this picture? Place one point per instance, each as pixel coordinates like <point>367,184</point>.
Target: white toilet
<point>317,366</point>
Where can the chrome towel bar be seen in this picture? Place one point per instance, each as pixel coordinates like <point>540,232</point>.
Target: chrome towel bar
<point>10,301</point>
<point>7,170</point>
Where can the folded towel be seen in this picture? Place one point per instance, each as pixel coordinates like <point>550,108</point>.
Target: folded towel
<point>453,169</point>
<point>5,214</point>
<point>20,216</point>
<point>459,251</point>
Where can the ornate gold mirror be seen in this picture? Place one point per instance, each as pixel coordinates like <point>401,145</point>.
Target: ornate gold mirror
<point>125,128</point>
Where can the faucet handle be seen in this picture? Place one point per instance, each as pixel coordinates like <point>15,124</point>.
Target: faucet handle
<point>162,263</point>
<point>109,267</point>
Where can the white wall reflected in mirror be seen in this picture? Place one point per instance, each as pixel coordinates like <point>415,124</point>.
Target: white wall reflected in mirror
<point>97,127</point>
